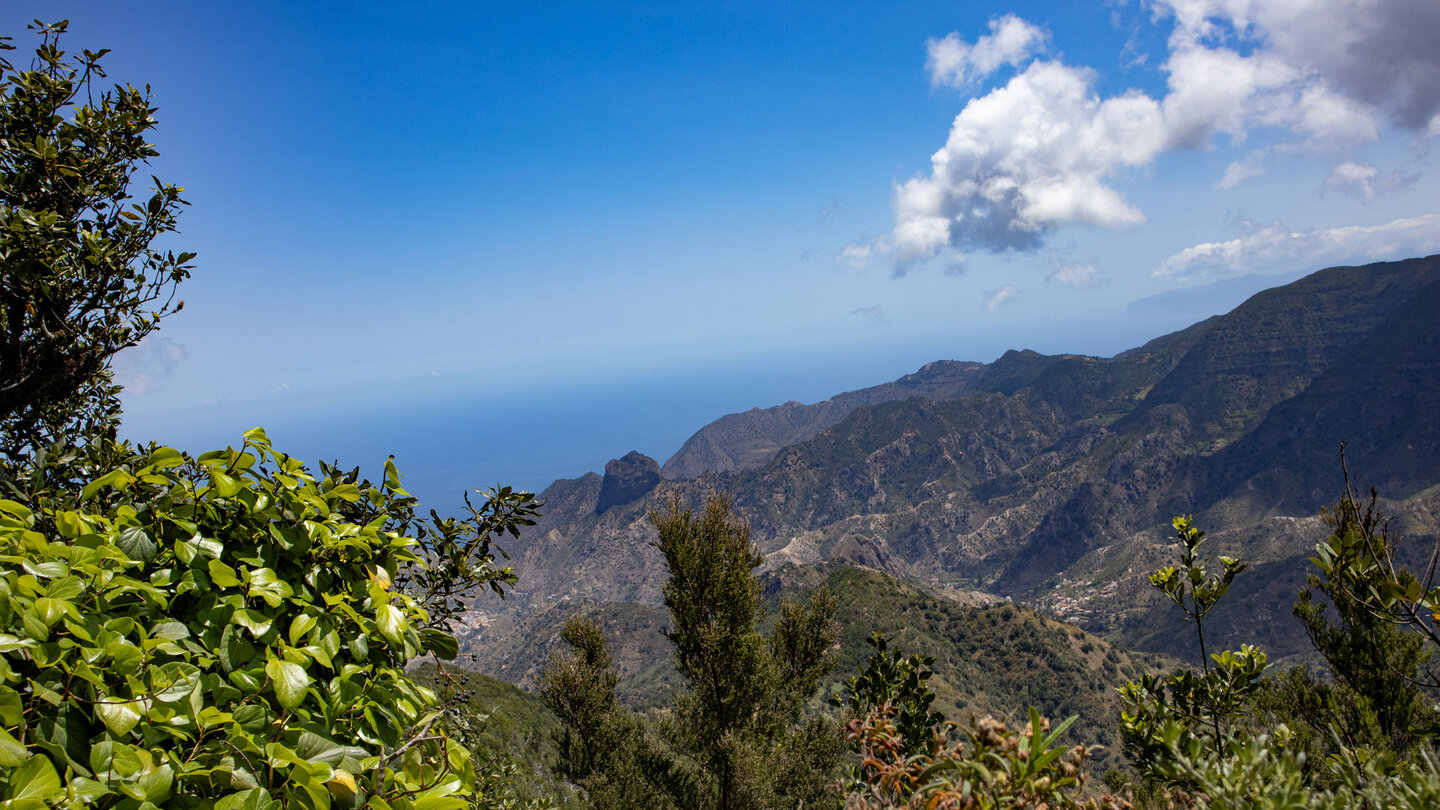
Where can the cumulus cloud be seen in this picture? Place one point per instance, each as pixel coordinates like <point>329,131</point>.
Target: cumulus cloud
<point>954,62</point>
<point>994,299</point>
<point>1273,247</point>
<point>1377,53</point>
<point>1081,276</point>
<point>1045,150</point>
<point>1024,159</point>
<point>143,369</point>
<point>1365,182</point>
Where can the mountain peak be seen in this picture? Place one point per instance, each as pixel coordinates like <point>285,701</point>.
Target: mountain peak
<point>627,479</point>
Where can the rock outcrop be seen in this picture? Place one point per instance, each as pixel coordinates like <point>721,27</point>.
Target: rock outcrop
<point>627,479</point>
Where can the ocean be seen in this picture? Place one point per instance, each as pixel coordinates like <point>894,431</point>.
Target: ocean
<point>468,436</point>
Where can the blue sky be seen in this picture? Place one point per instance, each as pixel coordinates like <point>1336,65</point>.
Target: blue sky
<point>407,202</point>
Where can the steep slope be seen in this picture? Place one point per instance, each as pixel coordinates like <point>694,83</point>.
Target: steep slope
<point>1381,397</point>
<point>1271,347</point>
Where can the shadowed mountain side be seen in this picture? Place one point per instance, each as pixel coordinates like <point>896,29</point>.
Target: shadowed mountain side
<point>627,479</point>
<point>1270,347</point>
<point>1382,398</point>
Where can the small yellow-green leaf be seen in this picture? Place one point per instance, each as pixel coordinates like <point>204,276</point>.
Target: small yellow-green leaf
<point>392,624</point>
<point>222,574</point>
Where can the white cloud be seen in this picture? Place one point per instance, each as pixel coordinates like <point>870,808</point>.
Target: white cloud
<point>1378,54</point>
<point>1242,170</point>
<point>1273,247</point>
<point>1023,159</point>
<point>1045,150</point>
<point>1365,182</point>
<point>1081,276</point>
<point>952,61</point>
<point>994,299</point>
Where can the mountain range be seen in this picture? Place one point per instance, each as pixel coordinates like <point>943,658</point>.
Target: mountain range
<point>1044,480</point>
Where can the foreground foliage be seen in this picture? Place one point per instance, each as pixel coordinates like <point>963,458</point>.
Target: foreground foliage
<point>1229,738</point>
<point>989,766</point>
<point>900,683</point>
<point>217,629</point>
<point>1224,737</point>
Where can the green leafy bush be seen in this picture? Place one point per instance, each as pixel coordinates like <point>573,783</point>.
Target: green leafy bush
<point>903,683</point>
<point>216,631</point>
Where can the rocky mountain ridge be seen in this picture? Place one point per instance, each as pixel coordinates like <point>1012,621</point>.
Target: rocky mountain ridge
<point>1051,479</point>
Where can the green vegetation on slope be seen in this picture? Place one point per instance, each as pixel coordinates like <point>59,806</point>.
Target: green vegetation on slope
<point>989,660</point>
<point>507,729</point>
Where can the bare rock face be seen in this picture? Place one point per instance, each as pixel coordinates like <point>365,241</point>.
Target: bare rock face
<point>627,479</point>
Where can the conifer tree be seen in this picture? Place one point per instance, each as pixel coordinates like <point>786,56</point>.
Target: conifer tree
<point>740,737</point>
<point>1376,664</point>
<point>738,723</point>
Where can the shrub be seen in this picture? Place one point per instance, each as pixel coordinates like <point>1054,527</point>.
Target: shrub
<point>992,767</point>
<point>182,631</point>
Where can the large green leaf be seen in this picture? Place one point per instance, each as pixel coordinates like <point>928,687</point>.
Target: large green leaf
<point>441,803</point>
<point>316,748</point>
<point>299,626</point>
<point>267,586</point>
<point>12,753</point>
<point>222,574</point>
<point>158,783</point>
<point>137,543</point>
<point>65,588</point>
<point>35,779</point>
<point>119,716</point>
<point>290,682</point>
<point>119,479</point>
<point>443,644</point>
<point>224,485</point>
